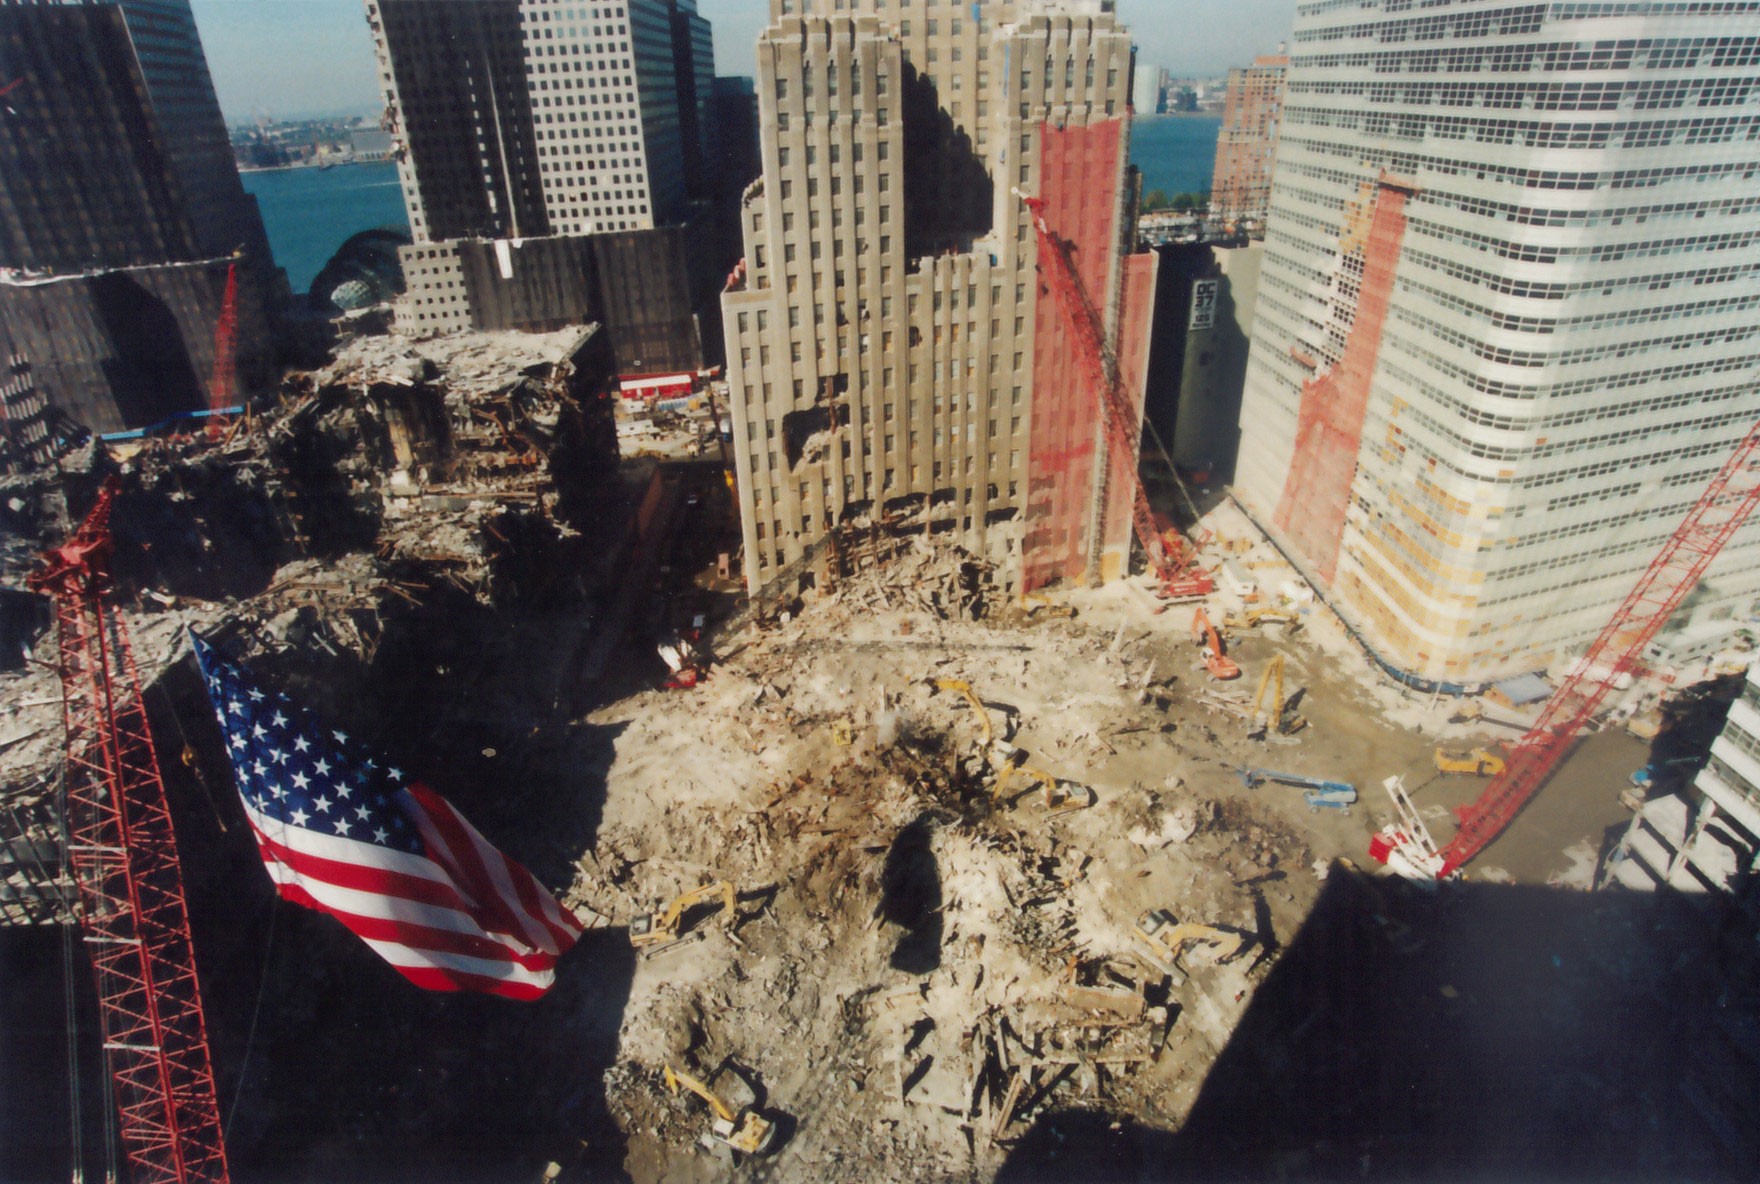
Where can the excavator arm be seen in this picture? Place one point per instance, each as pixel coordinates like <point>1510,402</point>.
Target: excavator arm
<point>663,927</point>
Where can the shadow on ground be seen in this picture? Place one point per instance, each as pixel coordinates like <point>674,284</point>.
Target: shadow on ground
<point>1477,1031</point>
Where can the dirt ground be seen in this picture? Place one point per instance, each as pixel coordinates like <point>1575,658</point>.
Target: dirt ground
<point>922,976</point>
<point>904,940</point>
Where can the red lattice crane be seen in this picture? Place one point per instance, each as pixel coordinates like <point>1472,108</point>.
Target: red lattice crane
<point>223,390</point>
<point>124,857</point>
<point>1677,568</point>
<point>1166,550</point>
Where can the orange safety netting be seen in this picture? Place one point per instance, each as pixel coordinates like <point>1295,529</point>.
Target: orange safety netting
<point>1077,168</point>
<point>1329,421</point>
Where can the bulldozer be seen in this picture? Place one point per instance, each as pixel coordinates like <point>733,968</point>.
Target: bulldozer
<point>744,1130</point>
<point>1163,939</point>
<point>1468,762</point>
<point>660,931</point>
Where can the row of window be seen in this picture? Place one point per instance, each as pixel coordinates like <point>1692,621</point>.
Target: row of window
<point>1533,133</point>
<point>1630,94</point>
<point>1668,53</point>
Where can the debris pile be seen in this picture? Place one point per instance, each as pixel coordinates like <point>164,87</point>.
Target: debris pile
<point>918,966</point>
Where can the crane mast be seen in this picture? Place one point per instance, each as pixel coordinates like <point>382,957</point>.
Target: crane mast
<point>1718,514</point>
<point>1099,364</point>
<point>124,858</point>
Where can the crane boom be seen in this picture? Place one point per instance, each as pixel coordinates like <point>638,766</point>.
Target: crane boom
<point>1099,364</point>
<point>1719,512</point>
<point>124,857</point>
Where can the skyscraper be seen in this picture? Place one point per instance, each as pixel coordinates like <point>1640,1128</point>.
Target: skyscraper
<point>1241,186</point>
<point>1506,329</point>
<point>546,149</point>
<point>120,210</point>
<point>526,118</point>
<point>890,346</point>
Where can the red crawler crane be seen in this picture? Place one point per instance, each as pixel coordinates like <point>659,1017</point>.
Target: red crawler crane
<point>130,881</point>
<point>1167,552</point>
<point>1719,512</point>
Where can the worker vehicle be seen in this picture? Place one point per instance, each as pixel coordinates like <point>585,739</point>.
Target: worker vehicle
<point>998,754</point>
<point>1273,712</point>
<point>658,931</point>
<point>1468,762</point>
<point>1061,797</point>
<point>1193,585</point>
<point>744,1130</point>
<point>1254,617</point>
<point>1163,939</point>
<point>1220,665</point>
<point>1254,778</point>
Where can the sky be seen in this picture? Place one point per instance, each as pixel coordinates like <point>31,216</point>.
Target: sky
<point>298,59</point>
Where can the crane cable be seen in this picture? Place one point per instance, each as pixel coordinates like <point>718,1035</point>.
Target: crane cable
<point>76,1114</point>
<point>250,1039</point>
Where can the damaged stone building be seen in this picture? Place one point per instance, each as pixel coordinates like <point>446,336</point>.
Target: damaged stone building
<point>890,344</point>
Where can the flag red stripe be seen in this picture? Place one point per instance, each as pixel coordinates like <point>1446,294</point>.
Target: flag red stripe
<point>363,877</point>
<point>469,849</point>
<point>417,936</point>
<point>462,855</point>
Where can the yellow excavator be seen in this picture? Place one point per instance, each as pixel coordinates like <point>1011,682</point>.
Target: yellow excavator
<point>1163,940</point>
<point>1061,797</point>
<point>657,931</point>
<point>1468,762</point>
<point>1255,617</point>
<point>746,1131</point>
<point>1273,715</point>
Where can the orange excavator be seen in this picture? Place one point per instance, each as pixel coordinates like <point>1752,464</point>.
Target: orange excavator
<point>1220,665</point>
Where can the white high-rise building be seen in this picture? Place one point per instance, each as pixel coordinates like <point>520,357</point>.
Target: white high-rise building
<point>1508,326</point>
<point>524,118</point>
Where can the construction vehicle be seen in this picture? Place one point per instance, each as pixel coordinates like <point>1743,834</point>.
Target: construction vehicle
<point>1318,792</point>
<point>744,1130</point>
<point>1468,762</point>
<point>1254,617</point>
<point>1720,511</point>
<point>123,855</point>
<point>1405,845</point>
<point>1061,797</point>
<point>998,754</point>
<point>1275,715</point>
<point>1171,558</point>
<point>1194,585</point>
<point>1163,940</point>
<point>655,932</point>
<point>1220,665</point>
<point>1473,712</point>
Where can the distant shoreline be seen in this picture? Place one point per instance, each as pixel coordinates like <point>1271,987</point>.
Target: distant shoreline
<point>311,164</point>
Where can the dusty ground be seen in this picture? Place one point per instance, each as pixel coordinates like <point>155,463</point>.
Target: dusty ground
<point>903,939</point>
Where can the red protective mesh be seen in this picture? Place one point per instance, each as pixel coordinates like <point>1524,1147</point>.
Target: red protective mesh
<point>1329,422</point>
<point>1079,168</point>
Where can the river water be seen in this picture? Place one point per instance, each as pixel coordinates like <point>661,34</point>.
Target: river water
<point>309,212</point>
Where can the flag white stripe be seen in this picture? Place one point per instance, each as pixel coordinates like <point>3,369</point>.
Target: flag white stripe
<point>496,864</point>
<point>401,955</point>
<point>380,907</point>
<point>345,850</point>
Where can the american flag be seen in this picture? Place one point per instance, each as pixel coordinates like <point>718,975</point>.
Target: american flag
<point>347,835</point>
